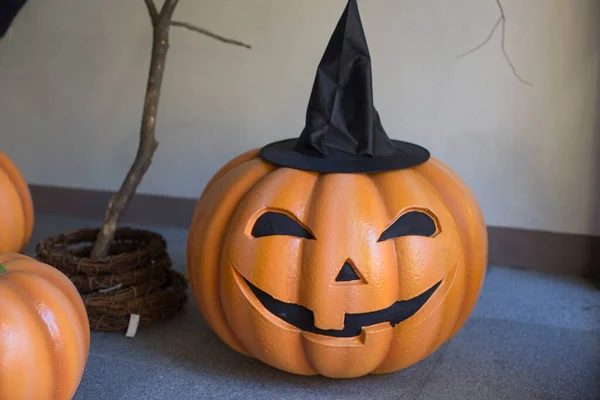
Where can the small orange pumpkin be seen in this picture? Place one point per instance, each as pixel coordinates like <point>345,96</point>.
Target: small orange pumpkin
<point>16,208</point>
<point>254,290</point>
<point>44,331</point>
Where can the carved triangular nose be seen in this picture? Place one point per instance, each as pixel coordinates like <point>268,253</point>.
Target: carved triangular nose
<point>347,274</point>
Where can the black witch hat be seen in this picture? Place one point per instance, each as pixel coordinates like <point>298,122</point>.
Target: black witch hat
<point>343,132</point>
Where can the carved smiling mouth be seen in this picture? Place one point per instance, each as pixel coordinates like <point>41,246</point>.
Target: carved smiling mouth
<point>303,318</point>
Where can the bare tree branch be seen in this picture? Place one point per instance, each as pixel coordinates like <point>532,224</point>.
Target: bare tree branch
<point>210,34</point>
<point>148,144</point>
<point>502,23</point>
<point>152,10</point>
<point>161,23</point>
<point>167,9</point>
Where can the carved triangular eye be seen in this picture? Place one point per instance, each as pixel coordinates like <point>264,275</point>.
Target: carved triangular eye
<point>275,223</point>
<point>347,274</point>
<point>415,223</point>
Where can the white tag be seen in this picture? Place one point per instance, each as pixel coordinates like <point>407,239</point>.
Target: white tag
<point>134,321</point>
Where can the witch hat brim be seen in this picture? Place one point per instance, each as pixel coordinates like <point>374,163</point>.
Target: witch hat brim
<point>284,154</point>
<point>343,131</point>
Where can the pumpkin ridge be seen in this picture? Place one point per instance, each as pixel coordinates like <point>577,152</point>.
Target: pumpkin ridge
<point>235,209</point>
<point>225,235</point>
<point>408,179</point>
<point>236,162</point>
<point>71,315</point>
<point>463,254</point>
<point>457,185</point>
<point>18,181</point>
<point>224,170</point>
<point>63,383</point>
<point>28,303</point>
<point>29,265</point>
<point>12,215</point>
<point>437,307</point>
<point>269,195</point>
<point>383,200</point>
<point>198,209</point>
<point>308,210</point>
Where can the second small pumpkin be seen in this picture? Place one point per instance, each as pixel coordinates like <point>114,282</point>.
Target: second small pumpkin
<point>16,208</point>
<point>44,336</point>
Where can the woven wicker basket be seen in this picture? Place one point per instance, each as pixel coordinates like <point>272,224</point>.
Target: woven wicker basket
<point>135,278</point>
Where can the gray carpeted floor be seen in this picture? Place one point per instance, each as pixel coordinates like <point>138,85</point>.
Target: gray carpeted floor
<point>532,336</point>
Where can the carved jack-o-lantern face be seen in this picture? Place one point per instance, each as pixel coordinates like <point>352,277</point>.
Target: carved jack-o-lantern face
<point>336,274</point>
<point>347,275</point>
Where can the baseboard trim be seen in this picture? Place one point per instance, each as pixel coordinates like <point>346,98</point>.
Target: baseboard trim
<point>551,252</point>
<point>87,203</point>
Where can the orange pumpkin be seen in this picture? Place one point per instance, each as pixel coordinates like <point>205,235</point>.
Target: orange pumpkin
<point>16,208</point>
<point>370,273</point>
<point>44,331</point>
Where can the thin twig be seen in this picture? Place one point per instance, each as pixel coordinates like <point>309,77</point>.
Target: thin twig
<point>502,23</point>
<point>502,44</point>
<point>152,10</point>
<point>210,34</point>
<point>480,45</point>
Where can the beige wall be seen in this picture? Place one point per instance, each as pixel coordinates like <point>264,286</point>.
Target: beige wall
<point>72,79</point>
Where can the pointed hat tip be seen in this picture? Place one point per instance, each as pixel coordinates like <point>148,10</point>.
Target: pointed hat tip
<point>343,131</point>
<point>341,119</point>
